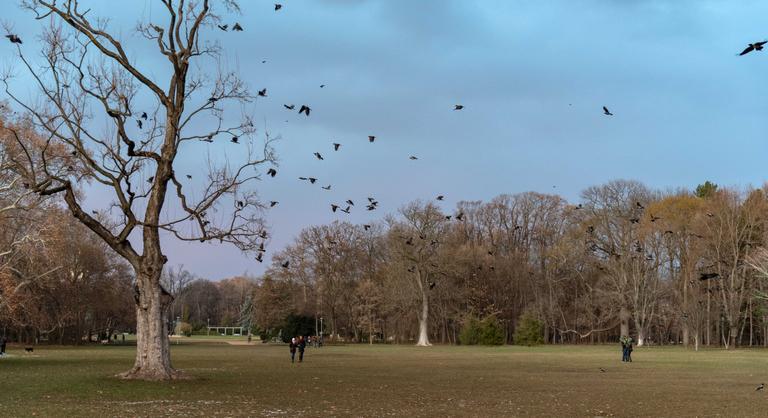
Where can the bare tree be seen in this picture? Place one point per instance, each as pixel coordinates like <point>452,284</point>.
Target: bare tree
<point>86,75</point>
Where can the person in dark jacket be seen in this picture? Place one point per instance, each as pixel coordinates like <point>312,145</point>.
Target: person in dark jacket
<point>301,345</point>
<point>292,346</point>
<point>3,342</point>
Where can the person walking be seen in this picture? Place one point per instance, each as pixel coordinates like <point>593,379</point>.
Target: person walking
<point>292,347</point>
<point>623,341</point>
<point>630,341</point>
<point>301,345</point>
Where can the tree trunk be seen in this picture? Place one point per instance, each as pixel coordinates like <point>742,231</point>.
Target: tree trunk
<point>624,318</point>
<point>732,334</point>
<point>423,320</point>
<point>153,356</point>
<point>640,337</point>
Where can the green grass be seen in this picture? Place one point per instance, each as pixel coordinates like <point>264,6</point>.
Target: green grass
<point>362,380</point>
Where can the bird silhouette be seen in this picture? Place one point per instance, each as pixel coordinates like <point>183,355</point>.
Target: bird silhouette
<point>607,112</point>
<point>350,202</point>
<point>413,157</point>
<point>223,27</point>
<point>328,187</point>
<point>14,39</point>
<point>757,46</point>
<point>336,146</point>
<point>286,264</point>
<point>273,203</point>
<point>289,107</point>
<point>144,115</point>
<point>237,27</point>
<point>639,205</point>
<point>260,257</point>
<point>318,156</point>
<point>440,197</point>
<point>302,178</point>
<point>760,387</point>
<point>334,207</point>
<point>602,370</point>
<point>432,285</point>
<point>371,138</point>
<point>278,6</point>
<point>322,85</point>
<point>263,92</point>
<point>366,227</point>
<point>312,180</point>
<point>139,123</point>
<point>460,216</point>
<point>150,179</point>
<point>189,177</point>
<point>240,204</point>
<point>305,110</point>
<point>458,107</point>
<point>261,248</point>
<point>234,140</point>
<point>272,172</point>
<point>346,210</point>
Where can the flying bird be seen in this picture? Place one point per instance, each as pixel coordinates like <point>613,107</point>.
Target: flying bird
<point>234,140</point>
<point>138,122</point>
<point>272,172</point>
<point>757,46</point>
<point>431,285</point>
<point>440,197</point>
<point>350,202</point>
<point>305,110</point>
<point>334,207</point>
<point>760,387</point>
<point>237,27</point>
<point>602,370</point>
<point>286,264</point>
<point>273,203</point>
<point>260,257</point>
<point>328,187</point>
<point>322,85</point>
<point>336,146</point>
<point>319,156</point>
<point>345,210</point>
<point>371,138</point>
<point>366,227</point>
<point>263,92</point>
<point>289,107</point>
<point>458,107</point>
<point>144,115</point>
<point>312,180</point>
<point>607,112</point>
<point>223,27</point>
<point>460,216</point>
<point>189,177</point>
<point>413,157</point>
<point>278,6</point>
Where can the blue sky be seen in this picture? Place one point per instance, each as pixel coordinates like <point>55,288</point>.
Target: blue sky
<point>533,76</point>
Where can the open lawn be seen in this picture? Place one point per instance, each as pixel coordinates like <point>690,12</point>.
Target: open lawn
<point>362,380</point>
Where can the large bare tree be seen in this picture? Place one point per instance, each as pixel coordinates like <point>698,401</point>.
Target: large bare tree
<point>155,117</point>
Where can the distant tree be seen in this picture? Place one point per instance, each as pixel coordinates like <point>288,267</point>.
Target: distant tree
<point>706,190</point>
<point>529,330</point>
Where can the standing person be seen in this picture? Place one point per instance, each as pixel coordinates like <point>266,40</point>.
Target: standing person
<point>629,349</point>
<point>292,347</point>
<point>2,346</point>
<point>623,341</point>
<point>302,345</point>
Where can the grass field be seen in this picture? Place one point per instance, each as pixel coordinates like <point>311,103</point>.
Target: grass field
<point>258,380</point>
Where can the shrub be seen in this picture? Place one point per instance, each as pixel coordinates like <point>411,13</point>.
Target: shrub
<point>470,331</point>
<point>185,329</point>
<point>529,330</point>
<point>485,332</point>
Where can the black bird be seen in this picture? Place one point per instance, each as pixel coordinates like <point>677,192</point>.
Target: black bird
<point>240,204</point>
<point>371,207</point>
<point>345,210</point>
<point>634,220</point>
<point>366,227</point>
<point>334,207</point>
<point>448,217</point>
<point>305,110</point>
<point>234,140</point>
<point>319,157</point>
<point>411,269</point>
<point>639,205</point>
<point>370,199</point>
<point>289,107</point>
<point>760,387</point>
<point>237,27</point>
<point>490,253</point>
<point>409,241</point>
<point>707,276</point>
<point>413,157</point>
<point>431,285</point>
<point>336,146</point>
<point>112,113</point>
<point>150,179</point>
<point>223,27</point>
<point>138,122</point>
<point>14,39</point>
<point>278,6</point>
<point>602,370</point>
<point>260,257</point>
<point>263,234</point>
<point>328,187</point>
<point>302,178</point>
<point>371,138</point>
<point>263,92</point>
<point>261,248</point>
<point>144,115</point>
<point>322,85</point>
<point>654,218</point>
<point>312,180</point>
<point>189,177</point>
<point>286,264</point>
<point>272,172</point>
<point>440,197</point>
<point>273,203</point>
<point>607,112</point>
<point>460,216</point>
<point>350,202</point>
<point>458,107</point>
<point>757,46</point>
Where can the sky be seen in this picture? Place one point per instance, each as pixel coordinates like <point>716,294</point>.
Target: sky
<point>533,77</point>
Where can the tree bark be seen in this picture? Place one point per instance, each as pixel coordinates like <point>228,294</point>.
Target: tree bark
<point>423,320</point>
<point>624,318</point>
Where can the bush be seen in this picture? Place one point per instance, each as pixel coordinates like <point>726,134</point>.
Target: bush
<point>485,332</point>
<point>185,329</point>
<point>529,330</point>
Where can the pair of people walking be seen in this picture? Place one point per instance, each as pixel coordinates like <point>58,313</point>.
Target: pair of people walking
<point>297,344</point>
<point>626,348</point>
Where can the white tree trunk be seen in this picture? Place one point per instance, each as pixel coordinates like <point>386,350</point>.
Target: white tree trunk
<point>640,338</point>
<point>624,318</point>
<point>423,320</point>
